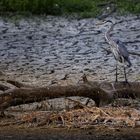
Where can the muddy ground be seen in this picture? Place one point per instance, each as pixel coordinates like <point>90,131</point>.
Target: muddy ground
<point>57,51</point>
<point>10,133</point>
<point>42,50</point>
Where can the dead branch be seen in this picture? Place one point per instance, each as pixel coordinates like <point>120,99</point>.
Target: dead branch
<point>101,93</point>
<point>18,84</point>
<point>103,4</point>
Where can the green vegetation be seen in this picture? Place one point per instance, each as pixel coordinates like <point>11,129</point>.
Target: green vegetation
<point>132,6</point>
<point>87,8</point>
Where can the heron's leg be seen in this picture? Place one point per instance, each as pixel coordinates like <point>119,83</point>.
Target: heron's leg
<point>125,75</point>
<point>116,73</point>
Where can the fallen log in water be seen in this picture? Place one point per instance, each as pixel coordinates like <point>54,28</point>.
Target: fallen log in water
<point>100,92</point>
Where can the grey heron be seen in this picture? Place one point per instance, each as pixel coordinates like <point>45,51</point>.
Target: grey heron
<point>119,51</point>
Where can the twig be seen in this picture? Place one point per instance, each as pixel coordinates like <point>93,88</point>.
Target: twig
<point>105,3</point>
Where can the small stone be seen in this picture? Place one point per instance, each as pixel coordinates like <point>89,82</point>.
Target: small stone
<point>137,124</point>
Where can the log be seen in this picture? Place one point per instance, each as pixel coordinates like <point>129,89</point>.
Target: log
<point>101,92</point>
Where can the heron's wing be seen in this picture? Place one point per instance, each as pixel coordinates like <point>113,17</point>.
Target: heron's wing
<point>122,49</point>
<point>123,52</point>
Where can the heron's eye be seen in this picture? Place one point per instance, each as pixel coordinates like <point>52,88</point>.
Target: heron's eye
<point>117,41</point>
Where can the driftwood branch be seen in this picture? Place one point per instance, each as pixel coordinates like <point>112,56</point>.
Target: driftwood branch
<point>101,93</point>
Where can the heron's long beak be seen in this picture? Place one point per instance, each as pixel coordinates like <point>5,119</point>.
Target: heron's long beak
<point>101,23</point>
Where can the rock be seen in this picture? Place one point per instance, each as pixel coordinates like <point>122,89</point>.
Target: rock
<point>137,124</point>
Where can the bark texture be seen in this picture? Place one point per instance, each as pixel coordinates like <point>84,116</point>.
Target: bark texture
<point>101,92</point>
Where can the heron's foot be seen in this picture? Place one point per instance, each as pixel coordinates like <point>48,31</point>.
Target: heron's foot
<point>116,78</point>
<point>126,83</point>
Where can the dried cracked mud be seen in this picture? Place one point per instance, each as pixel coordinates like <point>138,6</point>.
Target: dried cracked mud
<point>46,49</point>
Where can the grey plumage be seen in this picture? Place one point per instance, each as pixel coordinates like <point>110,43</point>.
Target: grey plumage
<point>122,53</point>
<point>118,49</point>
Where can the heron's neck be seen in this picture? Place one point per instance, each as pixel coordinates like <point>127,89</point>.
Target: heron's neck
<point>107,34</point>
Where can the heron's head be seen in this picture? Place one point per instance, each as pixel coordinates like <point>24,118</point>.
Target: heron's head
<point>109,21</point>
<point>105,21</point>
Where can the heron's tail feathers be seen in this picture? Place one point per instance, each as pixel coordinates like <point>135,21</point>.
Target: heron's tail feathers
<point>129,64</point>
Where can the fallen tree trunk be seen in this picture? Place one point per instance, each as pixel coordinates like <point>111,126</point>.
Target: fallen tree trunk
<point>101,93</point>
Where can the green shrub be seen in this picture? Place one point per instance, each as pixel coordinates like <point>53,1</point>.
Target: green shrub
<point>86,8</point>
<point>132,6</point>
